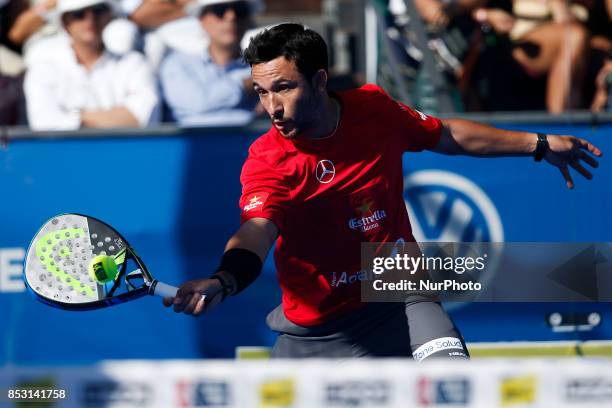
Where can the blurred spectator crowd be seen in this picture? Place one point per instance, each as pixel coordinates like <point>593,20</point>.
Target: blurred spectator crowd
<point>101,63</point>
<point>67,64</point>
<point>504,55</point>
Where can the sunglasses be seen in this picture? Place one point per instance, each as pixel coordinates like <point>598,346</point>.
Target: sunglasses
<point>241,8</point>
<point>97,10</point>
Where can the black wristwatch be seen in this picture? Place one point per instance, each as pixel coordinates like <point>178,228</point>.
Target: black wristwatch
<point>541,147</point>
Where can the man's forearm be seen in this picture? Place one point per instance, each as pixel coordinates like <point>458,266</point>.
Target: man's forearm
<point>475,139</point>
<point>153,13</point>
<point>257,235</point>
<point>245,253</point>
<point>116,117</point>
<point>26,24</point>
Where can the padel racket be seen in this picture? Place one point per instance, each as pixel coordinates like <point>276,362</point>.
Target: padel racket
<point>58,266</point>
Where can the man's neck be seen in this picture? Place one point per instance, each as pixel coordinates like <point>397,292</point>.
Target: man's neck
<point>223,55</point>
<point>328,121</point>
<point>87,54</point>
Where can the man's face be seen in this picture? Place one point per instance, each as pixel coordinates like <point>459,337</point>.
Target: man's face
<point>226,23</point>
<point>86,25</point>
<point>290,100</point>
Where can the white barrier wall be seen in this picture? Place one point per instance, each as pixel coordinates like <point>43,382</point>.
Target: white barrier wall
<point>312,384</point>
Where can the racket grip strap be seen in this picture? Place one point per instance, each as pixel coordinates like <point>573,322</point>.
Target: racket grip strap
<point>164,290</point>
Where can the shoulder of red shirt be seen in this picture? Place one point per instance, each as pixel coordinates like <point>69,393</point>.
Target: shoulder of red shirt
<point>362,96</point>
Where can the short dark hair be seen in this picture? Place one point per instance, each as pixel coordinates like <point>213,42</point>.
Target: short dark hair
<point>305,47</point>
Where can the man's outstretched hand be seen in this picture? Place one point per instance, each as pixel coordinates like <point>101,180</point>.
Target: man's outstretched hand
<point>570,151</point>
<point>196,296</point>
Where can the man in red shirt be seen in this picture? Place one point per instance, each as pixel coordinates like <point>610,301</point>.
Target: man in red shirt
<point>328,176</point>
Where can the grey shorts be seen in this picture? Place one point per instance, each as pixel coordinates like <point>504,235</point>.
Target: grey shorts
<point>418,329</point>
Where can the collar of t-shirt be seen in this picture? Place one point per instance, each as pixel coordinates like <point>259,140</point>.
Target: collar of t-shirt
<point>70,58</point>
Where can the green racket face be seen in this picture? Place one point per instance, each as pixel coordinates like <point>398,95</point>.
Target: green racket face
<point>59,256</point>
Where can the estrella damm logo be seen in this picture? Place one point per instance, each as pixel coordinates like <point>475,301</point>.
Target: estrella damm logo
<point>255,201</point>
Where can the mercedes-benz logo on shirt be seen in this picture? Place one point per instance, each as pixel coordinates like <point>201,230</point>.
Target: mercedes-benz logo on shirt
<point>325,171</point>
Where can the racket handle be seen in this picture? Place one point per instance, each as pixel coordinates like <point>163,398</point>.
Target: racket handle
<point>163,290</point>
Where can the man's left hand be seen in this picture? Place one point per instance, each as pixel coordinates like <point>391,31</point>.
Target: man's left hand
<point>567,151</point>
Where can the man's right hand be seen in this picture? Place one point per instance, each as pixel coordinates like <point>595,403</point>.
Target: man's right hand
<point>189,299</point>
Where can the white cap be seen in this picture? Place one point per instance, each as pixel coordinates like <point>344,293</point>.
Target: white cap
<point>195,7</point>
<point>64,6</point>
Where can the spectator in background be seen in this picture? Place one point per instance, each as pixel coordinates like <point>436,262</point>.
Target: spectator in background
<point>11,64</point>
<point>213,88</point>
<point>73,81</point>
<point>165,26</point>
<point>548,40</point>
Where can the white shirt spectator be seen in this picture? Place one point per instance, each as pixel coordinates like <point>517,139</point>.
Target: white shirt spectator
<point>58,88</point>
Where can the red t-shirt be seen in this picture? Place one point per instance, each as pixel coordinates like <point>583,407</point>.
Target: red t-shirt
<point>327,196</point>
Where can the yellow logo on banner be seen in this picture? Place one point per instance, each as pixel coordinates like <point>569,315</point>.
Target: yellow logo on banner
<point>518,390</point>
<point>277,393</point>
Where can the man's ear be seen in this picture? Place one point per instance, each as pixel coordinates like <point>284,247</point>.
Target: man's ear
<point>319,81</point>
